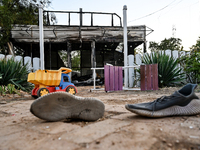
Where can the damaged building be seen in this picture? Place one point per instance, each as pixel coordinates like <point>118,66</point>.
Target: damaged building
<point>97,44</point>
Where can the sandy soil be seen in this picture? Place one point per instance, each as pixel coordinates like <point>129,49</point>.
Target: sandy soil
<point>118,129</point>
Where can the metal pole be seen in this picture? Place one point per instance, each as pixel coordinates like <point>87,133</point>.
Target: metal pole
<point>41,37</point>
<point>125,46</point>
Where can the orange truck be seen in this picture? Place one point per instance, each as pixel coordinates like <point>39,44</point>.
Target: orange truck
<point>48,81</point>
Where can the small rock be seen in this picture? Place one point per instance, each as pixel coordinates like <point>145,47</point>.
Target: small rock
<point>16,96</point>
<point>190,127</point>
<point>169,144</point>
<point>97,142</point>
<point>27,95</point>
<point>3,102</point>
<point>177,141</point>
<point>164,140</point>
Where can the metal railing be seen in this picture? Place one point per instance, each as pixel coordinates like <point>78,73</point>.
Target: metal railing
<point>47,17</point>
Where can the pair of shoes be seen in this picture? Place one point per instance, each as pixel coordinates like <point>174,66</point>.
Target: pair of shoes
<point>182,102</point>
<point>62,105</point>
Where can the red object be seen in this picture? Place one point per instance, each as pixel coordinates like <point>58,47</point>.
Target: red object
<point>113,78</point>
<point>149,77</point>
<point>51,89</point>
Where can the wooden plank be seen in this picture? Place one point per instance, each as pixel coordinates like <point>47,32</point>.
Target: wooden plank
<point>116,78</point>
<point>111,78</point>
<point>148,76</point>
<point>142,77</point>
<point>106,78</point>
<point>120,78</point>
<point>155,76</point>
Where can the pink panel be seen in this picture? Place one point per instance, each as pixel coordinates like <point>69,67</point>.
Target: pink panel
<point>111,78</point>
<point>116,74</point>
<point>106,78</point>
<point>142,78</point>
<point>120,78</point>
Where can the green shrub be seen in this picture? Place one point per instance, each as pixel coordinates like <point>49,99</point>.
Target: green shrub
<point>169,73</point>
<point>9,89</point>
<point>14,72</point>
<point>191,66</point>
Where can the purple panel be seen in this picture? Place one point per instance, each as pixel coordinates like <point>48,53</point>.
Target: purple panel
<point>106,78</point>
<point>111,78</point>
<point>155,76</point>
<point>116,83</point>
<point>142,77</point>
<point>120,78</point>
<point>148,73</point>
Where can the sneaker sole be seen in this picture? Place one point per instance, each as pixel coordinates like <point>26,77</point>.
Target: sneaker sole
<point>62,105</point>
<point>193,108</point>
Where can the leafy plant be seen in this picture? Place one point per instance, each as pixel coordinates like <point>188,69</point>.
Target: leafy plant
<point>2,90</point>
<point>191,66</point>
<point>14,72</point>
<point>169,72</point>
<point>9,89</point>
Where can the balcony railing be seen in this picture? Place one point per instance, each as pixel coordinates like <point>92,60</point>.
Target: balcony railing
<point>115,20</point>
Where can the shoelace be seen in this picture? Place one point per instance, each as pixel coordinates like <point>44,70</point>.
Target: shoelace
<point>163,98</point>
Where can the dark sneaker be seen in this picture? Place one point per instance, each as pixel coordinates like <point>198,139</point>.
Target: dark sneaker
<point>182,102</point>
<point>61,105</point>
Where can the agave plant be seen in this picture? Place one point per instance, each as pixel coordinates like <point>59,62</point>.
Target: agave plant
<point>169,72</point>
<point>14,72</point>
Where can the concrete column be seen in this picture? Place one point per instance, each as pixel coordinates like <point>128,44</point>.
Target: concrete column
<point>125,46</point>
<point>131,71</point>
<point>41,37</point>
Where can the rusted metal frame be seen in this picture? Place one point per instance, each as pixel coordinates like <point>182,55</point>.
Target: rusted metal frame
<point>54,33</point>
<point>151,30</point>
<point>104,31</point>
<point>91,19</point>
<point>48,21</point>
<point>112,20</point>
<point>69,19</point>
<point>81,22</point>
<point>29,29</point>
<point>103,13</point>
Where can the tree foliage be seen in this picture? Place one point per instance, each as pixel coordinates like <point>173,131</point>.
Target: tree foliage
<point>191,63</point>
<point>17,12</point>
<point>196,47</point>
<point>171,43</point>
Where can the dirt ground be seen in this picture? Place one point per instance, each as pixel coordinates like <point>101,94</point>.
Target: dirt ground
<point>118,129</point>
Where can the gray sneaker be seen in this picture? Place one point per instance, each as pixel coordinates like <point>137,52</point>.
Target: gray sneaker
<point>182,102</point>
<point>61,105</point>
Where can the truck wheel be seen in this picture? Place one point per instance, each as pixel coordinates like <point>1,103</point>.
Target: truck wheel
<point>71,90</point>
<point>42,92</point>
